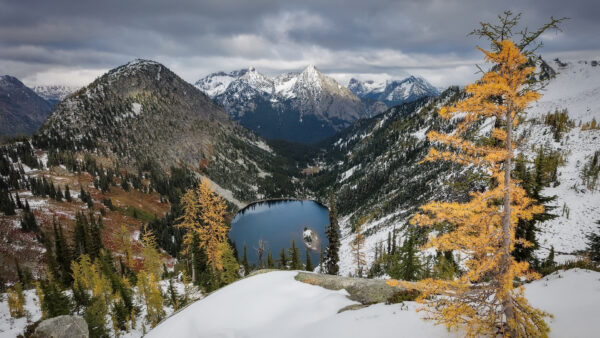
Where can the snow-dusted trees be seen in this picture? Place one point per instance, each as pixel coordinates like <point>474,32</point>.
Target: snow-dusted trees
<point>332,256</point>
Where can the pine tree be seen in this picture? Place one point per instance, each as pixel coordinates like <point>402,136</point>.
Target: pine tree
<point>68,197</point>
<point>18,201</point>
<point>282,262</point>
<point>270,262</point>
<point>28,222</point>
<point>7,206</point>
<point>245,263</point>
<point>485,226</point>
<point>357,247</point>
<point>54,301</point>
<point>16,301</point>
<point>309,266</point>
<point>407,265</point>
<point>230,272</point>
<point>333,236</point>
<point>173,296</point>
<point>594,245</point>
<point>63,254</point>
<point>204,213</point>
<point>295,260</point>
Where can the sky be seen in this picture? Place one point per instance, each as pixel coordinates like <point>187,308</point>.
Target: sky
<point>72,42</point>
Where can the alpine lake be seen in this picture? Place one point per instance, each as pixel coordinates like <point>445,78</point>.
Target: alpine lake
<point>276,223</point>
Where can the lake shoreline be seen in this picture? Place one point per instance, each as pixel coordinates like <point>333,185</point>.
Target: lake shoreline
<point>281,199</point>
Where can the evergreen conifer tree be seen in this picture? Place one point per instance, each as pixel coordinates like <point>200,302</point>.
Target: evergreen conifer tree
<point>282,262</point>
<point>333,236</point>
<point>594,245</point>
<point>309,266</point>
<point>270,262</point>
<point>295,260</point>
<point>245,263</point>
<point>68,197</point>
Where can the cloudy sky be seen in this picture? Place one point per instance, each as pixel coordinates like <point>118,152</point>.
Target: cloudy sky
<point>73,42</point>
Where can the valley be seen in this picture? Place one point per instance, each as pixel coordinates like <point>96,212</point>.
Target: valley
<point>290,204</point>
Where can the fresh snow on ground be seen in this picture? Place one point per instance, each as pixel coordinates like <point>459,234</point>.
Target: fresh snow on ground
<point>276,305</point>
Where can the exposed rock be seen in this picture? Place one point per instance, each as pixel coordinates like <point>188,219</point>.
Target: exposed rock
<point>62,327</point>
<point>365,291</point>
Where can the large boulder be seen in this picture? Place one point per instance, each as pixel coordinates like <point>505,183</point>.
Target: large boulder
<point>365,291</point>
<point>62,327</point>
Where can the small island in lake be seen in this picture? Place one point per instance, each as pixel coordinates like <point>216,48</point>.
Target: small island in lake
<point>311,239</point>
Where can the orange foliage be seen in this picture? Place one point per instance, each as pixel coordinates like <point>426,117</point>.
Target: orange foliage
<point>483,300</point>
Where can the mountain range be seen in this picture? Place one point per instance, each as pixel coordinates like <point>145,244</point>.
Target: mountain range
<point>307,106</point>
<point>391,93</point>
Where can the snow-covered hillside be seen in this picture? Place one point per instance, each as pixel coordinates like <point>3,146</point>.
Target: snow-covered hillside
<point>577,89</point>
<point>54,93</point>
<point>276,305</point>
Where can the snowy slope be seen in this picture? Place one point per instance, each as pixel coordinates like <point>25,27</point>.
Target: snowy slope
<point>276,305</point>
<point>576,88</point>
<point>54,92</point>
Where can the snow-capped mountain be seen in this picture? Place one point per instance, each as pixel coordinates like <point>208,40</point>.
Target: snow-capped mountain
<point>392,92</point>
<point>303,107</point>
<point>22,111</point>
<point>54,93</point>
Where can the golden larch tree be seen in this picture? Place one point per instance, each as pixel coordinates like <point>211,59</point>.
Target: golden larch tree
<point>357,245</point>
<point>484,300</point>
<point>204,214</point>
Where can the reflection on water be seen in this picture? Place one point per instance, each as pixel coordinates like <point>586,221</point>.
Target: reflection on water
<point>277,223</point>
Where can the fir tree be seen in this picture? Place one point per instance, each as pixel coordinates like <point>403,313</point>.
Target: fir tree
<point>245,263</point>
<point>333,236</point>
<point>270,262</point>
<point>594,245</point>
<point>95,317</point>
<point>68,197</point>
<point>295,260</point>
<point>18,201</point>
<point>55,302</point>
<point>282,262</point>
<point>28,222</point>
<point>309,266</point>
<point>63,254</point>
<point>7,206</point>
<point>173,296</point>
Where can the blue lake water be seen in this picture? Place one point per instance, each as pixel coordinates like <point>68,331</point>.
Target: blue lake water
<point>277,223</point>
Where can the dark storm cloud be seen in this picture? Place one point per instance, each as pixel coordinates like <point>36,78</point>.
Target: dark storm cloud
<point>389,38</point>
